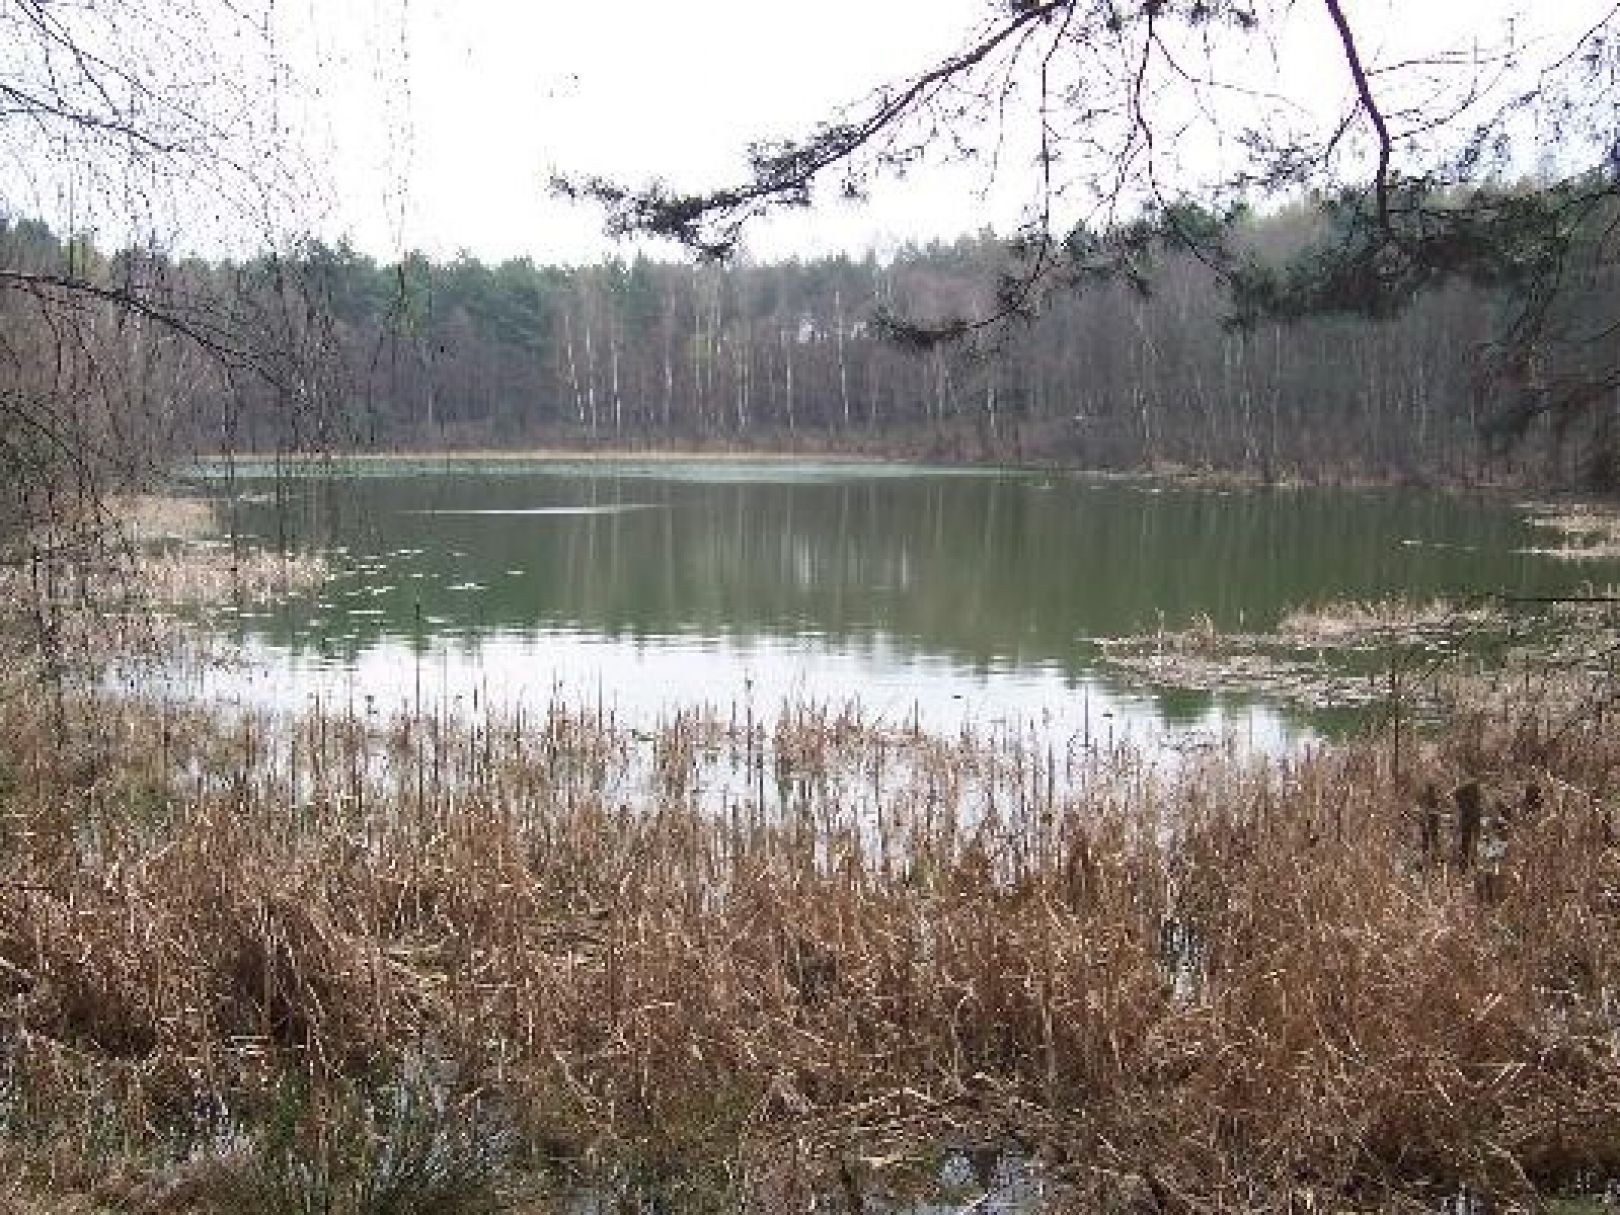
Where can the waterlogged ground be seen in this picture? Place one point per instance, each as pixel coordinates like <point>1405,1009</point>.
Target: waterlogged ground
<point>981,1181</point>
<point>940,597</point>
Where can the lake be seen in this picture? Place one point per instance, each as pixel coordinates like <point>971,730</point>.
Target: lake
<point>950,597</point>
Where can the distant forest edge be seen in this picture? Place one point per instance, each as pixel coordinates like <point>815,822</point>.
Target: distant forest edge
<point>645,354</point>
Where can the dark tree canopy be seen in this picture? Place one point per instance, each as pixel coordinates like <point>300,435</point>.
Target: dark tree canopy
<point>1142,125</point>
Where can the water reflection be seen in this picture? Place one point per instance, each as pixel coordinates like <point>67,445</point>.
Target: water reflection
<point>921,593</point>
<point>639,679</point>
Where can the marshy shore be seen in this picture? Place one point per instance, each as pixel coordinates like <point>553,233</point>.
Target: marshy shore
<point>343,961</point>
<point>336,962</point>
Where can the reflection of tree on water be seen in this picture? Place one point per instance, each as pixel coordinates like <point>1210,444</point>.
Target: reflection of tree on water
<point>985,570</point>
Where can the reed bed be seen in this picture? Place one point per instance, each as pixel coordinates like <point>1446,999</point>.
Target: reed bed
<point>1586,532</point>
<point>1380,621</point>
<point>221,574</point>
<point>105,595</point>
<point>789,962</point>
<point>152,518</point>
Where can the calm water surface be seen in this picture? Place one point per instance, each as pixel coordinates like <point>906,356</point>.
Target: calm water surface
<point>946,595</point>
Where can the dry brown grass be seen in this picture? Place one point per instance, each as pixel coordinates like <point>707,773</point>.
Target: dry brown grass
<point>149,518</point>
<point>1586,532</point>
<point>583,454</point>
<point>1237,985</point>
<point>219,574</point>
<point>78,596</point>
<point>177,559</point>
<point>1378,621</point>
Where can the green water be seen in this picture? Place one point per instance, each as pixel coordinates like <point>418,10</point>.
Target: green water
<point>942,594</point>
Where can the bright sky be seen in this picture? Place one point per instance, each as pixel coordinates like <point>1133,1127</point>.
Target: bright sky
<point>447,117</point>
<point>444,118</point>
<point>435,124</point>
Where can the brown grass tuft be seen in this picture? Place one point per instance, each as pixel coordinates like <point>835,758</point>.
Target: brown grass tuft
<point>1586,532</point>
<point>767,963</point>
<point>150,518</point>
<point>1361,622</point>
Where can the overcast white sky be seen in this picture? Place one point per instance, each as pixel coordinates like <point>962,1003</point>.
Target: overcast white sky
<point>435,124</point>
<point>442,119</point>
<point>445,118</point>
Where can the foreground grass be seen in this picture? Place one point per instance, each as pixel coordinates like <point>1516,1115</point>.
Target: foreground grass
<point>347,964</point>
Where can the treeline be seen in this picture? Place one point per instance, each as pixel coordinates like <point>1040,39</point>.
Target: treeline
<point>349,351</point>
<point>787,354</point>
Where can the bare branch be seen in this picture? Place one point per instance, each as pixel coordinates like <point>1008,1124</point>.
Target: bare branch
<point>1369,105</point>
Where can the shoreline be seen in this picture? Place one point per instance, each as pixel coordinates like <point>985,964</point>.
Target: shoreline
<point>1166,474</point>
<point>523,948</point>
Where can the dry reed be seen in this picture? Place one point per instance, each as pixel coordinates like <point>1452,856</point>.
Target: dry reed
<point>738,965</point>
<point>1586,532</point>
<point>101,596</point>
<point>1379,621</point>
<point>150,518</point>
<point>222,574</point>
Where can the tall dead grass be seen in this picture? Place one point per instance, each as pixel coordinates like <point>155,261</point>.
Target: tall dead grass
<point>1381,621</point>
<point>734,965</point>
<point>1586,532</point>
<point>152,518</point>
<point>125,584</point>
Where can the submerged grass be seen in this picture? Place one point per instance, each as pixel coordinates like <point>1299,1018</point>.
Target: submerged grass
<point>1338,654</point>
<point>345,963</point>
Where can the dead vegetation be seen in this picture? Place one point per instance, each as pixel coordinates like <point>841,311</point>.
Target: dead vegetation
<point>1345,653</point>
<point>1305,661</point>
<point>334,962</point>
<point>1380,621</point>
<point>150,551</point>
<point>746,962</point>
<point>1585,532</point>
<point>150,518</point>
<point>221,573</point>
<point>175,556</point>
<point>127,583</point>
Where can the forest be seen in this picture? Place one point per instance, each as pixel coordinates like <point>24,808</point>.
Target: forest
<point>716,759</point>
<point>1152,375</point>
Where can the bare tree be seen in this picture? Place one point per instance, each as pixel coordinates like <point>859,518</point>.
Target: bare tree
<point>1141,125</point>
<point>132,138</point>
